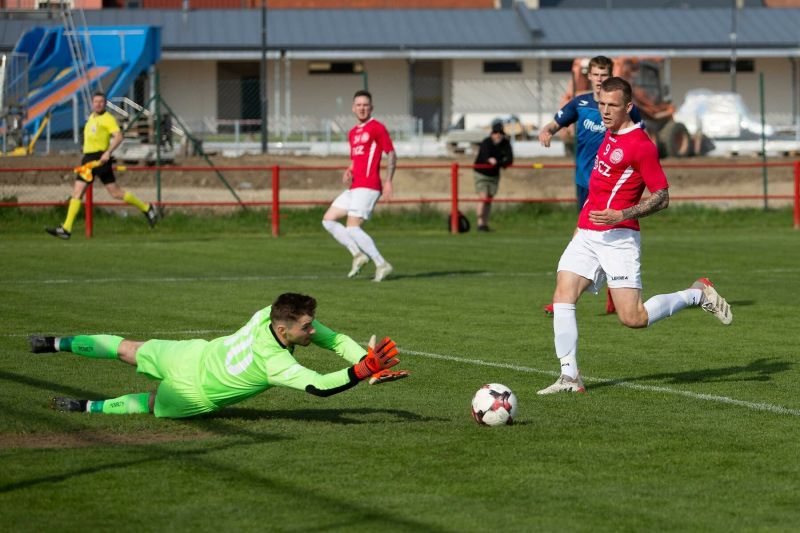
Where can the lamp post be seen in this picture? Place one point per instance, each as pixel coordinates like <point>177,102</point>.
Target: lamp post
<point>263,84</point>
<point>734,24</point>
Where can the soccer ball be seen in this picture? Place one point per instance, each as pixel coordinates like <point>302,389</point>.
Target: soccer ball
<point>494,405</point>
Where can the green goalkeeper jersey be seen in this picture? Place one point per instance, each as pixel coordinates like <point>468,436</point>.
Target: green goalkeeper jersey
<point>238,366</point>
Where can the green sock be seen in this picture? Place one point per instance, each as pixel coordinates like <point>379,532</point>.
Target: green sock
<point>130,404</point>
<point>94,346</point>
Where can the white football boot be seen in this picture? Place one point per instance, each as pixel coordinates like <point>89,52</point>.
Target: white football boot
<point>382,272</point>
<point>359,260</point>
<point>712,302</point>
<point>565,384</point>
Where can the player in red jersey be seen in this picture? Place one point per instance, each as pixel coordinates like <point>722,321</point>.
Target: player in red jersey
<point>369,140</point>
<point>606,245</point>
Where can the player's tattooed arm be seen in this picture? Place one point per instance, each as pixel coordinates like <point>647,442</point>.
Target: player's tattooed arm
<point>391,164</point>
<point>652,204</point>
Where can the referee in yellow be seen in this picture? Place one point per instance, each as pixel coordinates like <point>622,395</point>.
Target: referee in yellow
<point>101,136</point>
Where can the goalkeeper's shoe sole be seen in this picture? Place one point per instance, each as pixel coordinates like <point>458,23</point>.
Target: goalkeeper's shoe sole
<point>712,302</point>
<point>42,344</point>
<point>68,404</point>
<point>59,232</point>
<point>385,376</point>
<point>565,384</point>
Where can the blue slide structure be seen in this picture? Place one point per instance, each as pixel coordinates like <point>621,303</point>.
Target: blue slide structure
<point>121,54</point>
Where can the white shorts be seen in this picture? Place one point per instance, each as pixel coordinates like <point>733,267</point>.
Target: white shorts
<point>358,202</point>
<point>611,256</point>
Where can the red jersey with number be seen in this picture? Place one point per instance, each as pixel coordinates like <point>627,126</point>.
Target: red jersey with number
<point>368,142</point>
<point>626,163</point>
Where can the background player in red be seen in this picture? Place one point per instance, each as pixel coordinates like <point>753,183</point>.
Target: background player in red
<point>368,141</point>
<point>606,246</point>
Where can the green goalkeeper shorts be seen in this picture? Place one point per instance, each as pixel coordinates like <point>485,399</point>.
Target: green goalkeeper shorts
<point>177,365</point>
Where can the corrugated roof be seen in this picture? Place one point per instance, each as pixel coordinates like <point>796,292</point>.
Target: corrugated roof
<point>451,30</point>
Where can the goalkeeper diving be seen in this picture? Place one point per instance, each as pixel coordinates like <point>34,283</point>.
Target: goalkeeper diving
<point>200,376</point>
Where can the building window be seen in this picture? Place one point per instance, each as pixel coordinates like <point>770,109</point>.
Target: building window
<point>724,65</point>
<point>335,67</point>
<point>501,67</point>
<point>561,65</point>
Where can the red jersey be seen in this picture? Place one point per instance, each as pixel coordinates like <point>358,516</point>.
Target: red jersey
<point>626,162</point>
<point>368,142</point>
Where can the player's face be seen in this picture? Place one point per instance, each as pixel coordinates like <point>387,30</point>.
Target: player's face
<point>613,109</point>
<point>299,331</point>
<point>362,108</point>
<point>98,104</point>
<point>597,75</point>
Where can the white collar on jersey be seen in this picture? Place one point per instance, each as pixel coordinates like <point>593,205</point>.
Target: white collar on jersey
<point>627,130</point>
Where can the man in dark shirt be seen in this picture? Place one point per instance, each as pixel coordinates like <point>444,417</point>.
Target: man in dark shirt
<point>495,152</point>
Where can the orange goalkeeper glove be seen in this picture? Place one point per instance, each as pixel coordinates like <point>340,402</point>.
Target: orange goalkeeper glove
<point>385,376</point>
<point>378,358</point>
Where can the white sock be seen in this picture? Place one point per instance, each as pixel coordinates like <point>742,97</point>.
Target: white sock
<point>565,328</point>
<point>662,306</point>
<point>365,242</point>
<point>57,341</point>
<point>340,233</point>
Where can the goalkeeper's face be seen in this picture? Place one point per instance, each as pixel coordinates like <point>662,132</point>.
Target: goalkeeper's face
<point>298,331</point>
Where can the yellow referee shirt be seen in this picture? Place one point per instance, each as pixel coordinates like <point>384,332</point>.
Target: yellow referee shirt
<point>97,132</point>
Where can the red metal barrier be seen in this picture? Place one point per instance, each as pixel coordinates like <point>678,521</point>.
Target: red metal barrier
<point>276,201</point>
<point>797,195</point>
<point>454,198</point>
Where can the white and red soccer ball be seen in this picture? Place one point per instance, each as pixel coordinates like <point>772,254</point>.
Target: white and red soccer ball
<point>494,405</point>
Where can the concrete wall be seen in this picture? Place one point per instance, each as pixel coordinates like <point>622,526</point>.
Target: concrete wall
<point>190,89</point>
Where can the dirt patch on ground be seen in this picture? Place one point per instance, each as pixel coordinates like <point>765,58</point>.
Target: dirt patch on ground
<point>88,438</point>
<point>310,178</point>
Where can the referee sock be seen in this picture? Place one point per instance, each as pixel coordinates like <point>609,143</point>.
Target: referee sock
<point>94,346</point>
<point>130,404</point>
<point>129,198</point>
<point>662,306</point>
<point>72,213</point>
<point>565,328</point>
<point>339,233</point>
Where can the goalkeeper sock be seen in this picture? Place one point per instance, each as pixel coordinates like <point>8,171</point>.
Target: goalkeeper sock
<point>72,212</point>
<point>662,306</point>
<point>565,329</point>
<point>129,198</point>
<point>94,346</point>
<point>339,233</point>
<point>130,404</point>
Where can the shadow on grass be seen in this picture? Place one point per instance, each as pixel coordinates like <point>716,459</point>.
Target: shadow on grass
<point>437,274</point>
<point>759,370</point>
<point>360,415</point>
<point>48,385</point>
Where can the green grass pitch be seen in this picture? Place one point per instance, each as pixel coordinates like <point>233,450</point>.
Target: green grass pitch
<point>687,426</point>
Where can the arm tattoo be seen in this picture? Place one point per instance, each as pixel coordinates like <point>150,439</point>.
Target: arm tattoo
<point>391,164</point>
<point>655,202</point>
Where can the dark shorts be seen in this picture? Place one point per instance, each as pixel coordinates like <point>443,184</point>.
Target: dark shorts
<point>486,185</point>
<point>105,171</point>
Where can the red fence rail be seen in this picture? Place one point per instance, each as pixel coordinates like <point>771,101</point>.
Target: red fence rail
<point>454,197</point>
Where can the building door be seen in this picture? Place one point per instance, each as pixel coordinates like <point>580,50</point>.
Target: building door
<point>426,91</point>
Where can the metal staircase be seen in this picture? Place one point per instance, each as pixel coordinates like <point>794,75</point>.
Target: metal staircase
<point>82,54</point>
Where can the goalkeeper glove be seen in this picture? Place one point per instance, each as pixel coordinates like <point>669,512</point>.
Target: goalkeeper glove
<point>378,358</point>
<point>385,376</point>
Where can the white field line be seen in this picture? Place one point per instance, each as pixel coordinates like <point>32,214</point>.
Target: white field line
<point>619,383</point>
<point>756,406</point>
<point>195,279</point>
